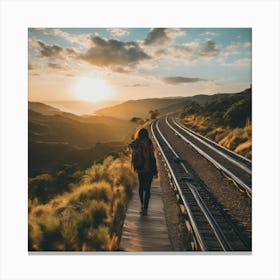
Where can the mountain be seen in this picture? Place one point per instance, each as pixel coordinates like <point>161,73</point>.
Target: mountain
<point>43,108</point>
<point>135,108</point>
<point>233,110</point>
<point>56,137</point>
<point>141,108</point>
<point>226,120</point>
<point>81,107</point>
<point>48,124</point>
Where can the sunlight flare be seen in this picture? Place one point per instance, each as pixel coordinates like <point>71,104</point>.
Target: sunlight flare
<point>91,89</point>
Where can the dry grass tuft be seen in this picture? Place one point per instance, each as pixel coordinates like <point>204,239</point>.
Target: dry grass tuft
<point>238,140</point>
<point>88,215</point>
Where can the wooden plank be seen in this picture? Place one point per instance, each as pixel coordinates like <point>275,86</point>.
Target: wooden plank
<point>146,233</point>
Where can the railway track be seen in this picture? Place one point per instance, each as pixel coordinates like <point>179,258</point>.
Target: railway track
<point>211,227</point>
<point>238,168</point>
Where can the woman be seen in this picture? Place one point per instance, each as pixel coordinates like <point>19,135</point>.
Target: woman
<point>144,163</point>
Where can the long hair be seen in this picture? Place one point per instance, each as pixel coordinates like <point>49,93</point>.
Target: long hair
<point>142,134</point>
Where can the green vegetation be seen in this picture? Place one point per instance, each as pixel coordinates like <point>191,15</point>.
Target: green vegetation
<point>79,210</point>
<point>226,120</point>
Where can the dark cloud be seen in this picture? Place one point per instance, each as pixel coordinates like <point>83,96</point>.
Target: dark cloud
<point>181,80</point>
<point>55,51</point>
<point>157,36</point>
<point>117,55</point>
<point>209,49</point>
<point>162,36</point>
<point>49,51</point>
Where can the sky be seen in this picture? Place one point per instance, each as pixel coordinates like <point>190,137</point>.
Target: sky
<point>100,64</point>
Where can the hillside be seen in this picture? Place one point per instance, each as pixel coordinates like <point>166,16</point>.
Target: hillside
<point>141,108</point>
<point>135,108</point>
<point>64,138</point>
<point>226,120</point>
<point>83,132</point>
<point>43,109</point>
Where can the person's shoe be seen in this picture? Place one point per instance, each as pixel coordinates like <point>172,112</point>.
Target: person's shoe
<point>145,212</point>
<point>141,210</point>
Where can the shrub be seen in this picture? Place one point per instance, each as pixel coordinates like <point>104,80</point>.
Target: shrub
<point>97,213</point>
<point>98,239</point>
<point>122,174</point>
<point>84,217</point>
<point>101,191</point>
<point>41,187</point>
<point>238,113</point>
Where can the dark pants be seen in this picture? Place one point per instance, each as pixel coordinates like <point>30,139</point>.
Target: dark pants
<point>145,181</point>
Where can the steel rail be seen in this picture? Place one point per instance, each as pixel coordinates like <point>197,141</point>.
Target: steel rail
<point>211,220</point>
<point>192,220</point>
<point>216,144</point>
<point>213,161</point>
<point>204,141</point>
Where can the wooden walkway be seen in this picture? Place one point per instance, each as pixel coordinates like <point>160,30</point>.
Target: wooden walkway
<point>146,233</point>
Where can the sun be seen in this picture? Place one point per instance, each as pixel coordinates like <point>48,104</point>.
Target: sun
<point>91,89</point>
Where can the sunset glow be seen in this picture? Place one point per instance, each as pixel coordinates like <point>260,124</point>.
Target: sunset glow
<point>91,89</point>
<point>98,66</point>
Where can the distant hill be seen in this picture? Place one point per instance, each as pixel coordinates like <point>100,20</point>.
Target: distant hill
<point>80,131</point>
<point>135,108</point>
<point>233,110</point>
<point>81,107</point>
<point>56,137</point>
<point>43,108</point>
<point>141,108</point>
<point>199,99</point>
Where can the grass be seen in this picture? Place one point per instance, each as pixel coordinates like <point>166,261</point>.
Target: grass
<point>237,139</point>
<point>87,216</point>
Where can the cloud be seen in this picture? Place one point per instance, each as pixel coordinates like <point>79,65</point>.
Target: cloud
<point>136,85</point>
<point>31,67</point>
<point>237,49</point>
<point>209,49</point>
<point>157,36</point>
<point>49,51</point>
<point>194,51</point>
<point>118,32</point>
<point>80,39</point>
<point>121,57</point>
<point>242,62</point>
<point>58,66</point>
<point>175,33</point>
<point>117,55</point>
<point>182,80</point>
<point>162,36</point>
<point>55,51</point>
<point>211,33</point>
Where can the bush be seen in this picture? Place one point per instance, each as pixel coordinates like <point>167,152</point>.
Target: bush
<point>41,187</point>
<point>84,217</point>
<point>98,239</point>
<point>238,114</point>
<point>97,213</point>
